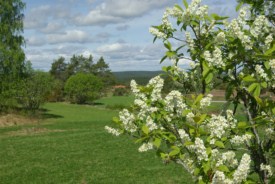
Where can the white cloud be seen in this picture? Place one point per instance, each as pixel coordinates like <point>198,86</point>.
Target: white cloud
<point>70,36</point>
<point>117,11</point>
<point>35,41</point>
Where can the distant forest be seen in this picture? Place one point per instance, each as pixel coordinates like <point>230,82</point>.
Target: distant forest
<point>141,77</point>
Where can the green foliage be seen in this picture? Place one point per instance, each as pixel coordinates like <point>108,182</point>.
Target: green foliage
<point>34,90</point>
<point>82,88</point>
<point>120,92</point>
<point>12,57</point>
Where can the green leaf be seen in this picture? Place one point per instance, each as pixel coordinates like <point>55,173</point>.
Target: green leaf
<point>185,3</point>
<point>266,64</point>
<point>145,129</point>
<point>206,167</point>
<point>171,54</point>
<point>209,78</point>
<point>168,45</point>
<point>264,84</point>
<point>197,171</point>
<point>198,99</point>
<point>249,78</point>
<point>116,119</point>
<point>177,6</point>
<point>238,7</point>
<point>175,151</point>
<point>223,168</point>
<point>157,142</point>
<point>259,100</point>
<point>162,59</point>
<point>219,144</point>
<point>252,87</point>
<point>270,51</point>
<point>257,91</point>
<point>242,124</point>
<point>208,151</point>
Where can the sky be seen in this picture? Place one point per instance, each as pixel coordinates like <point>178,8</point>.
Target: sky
<point>118,30</point>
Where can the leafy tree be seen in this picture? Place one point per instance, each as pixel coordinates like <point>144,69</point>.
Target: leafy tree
<point>58,69</point>
<point>213,148</point>
<point>12,56</point>
<point>82,88</point>
<point>102,70</point>
<point>79,64</point>
<point>262,7</point>
<point>34,90</point>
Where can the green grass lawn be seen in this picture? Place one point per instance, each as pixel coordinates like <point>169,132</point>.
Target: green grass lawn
<point>73,147</point>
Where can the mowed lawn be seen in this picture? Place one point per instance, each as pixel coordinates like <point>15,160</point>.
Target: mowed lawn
<point>71,146</point>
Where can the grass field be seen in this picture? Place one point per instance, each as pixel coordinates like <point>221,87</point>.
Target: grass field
<point>71,146</point>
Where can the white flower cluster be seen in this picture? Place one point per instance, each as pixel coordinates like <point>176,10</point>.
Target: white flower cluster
<point>220,39</point>
<point>136,91</point>
<point>238,140</point>
<point>165,21</point>
<point>214,59</point>
<point>145,147</point>
<point>266,168</point>
<point>260,71</point>
<point>227,158</point>
<point>195,9</point>
<point>240,174</point>
<point>206,101</point>
<point>220,178</point>
<point>150,124</point>
<point>230,119</point>
<point>268,40</point>
<point>112,131</point>
<point>183,135</point>
<point>127,120</point>
<point>189,40</point>
<point>174,12</point>
<point>199,149</point>
<point>180,72</point>
<point>236,30</point>
<point>157,33</point>
<point>157,84</point>
<point>217,126</point>
<point>189,117</point>
<point>260,26</point>
<point>174,103</point>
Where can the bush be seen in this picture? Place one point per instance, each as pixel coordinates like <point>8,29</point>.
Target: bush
<point>34,90</point>
<point>120,92</point>
<point>82,88</point>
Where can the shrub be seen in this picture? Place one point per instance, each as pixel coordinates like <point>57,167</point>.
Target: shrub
<point>120,92</point>
<point>34,90</point>
<point>82,88</point>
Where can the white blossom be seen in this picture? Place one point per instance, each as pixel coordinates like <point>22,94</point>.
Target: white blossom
<point>174,102</point>
<point>165,20</point>
<point>220,38</point>
<point>266,168</point>
<point>272,64</point>
<point>150,124</point>
<point>214,59</point>
<point>157,33</point>
<point>112,130</point>
<point>145,147</point>
<point>260,26</point>
<point>189,117</point>
<point>230,118</point>
<point>238,140</point>
<point>199,149</point>
<point>206,101</point>
<point>183,135</point>
<point>241,173</point>
<point>261,72</point>
<point>189,40</point>
<point>157,84</point>
<point>127,120</point>
<point>217,126</point>
<point>268,40</point>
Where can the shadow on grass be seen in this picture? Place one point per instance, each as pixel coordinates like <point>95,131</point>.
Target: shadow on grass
<point>44,114</point>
